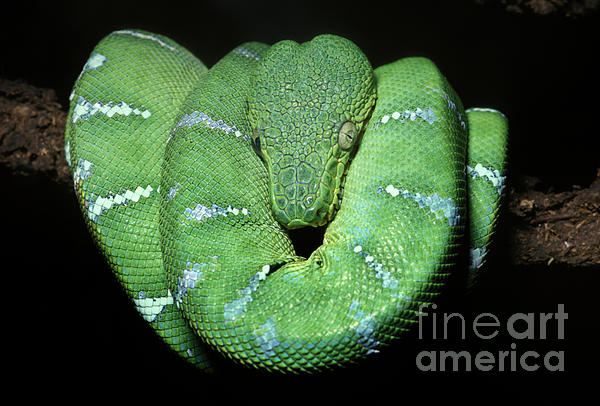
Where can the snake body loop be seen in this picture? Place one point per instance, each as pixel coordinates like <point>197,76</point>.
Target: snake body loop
<point>189,178</point>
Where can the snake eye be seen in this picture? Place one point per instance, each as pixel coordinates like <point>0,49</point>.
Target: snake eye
<point>347,136</point>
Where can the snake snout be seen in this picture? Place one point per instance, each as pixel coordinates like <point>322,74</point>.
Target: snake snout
<point>297,215</point>
<point>303,218</point>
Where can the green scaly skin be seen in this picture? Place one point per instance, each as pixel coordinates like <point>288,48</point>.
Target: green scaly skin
<point>188,179</point>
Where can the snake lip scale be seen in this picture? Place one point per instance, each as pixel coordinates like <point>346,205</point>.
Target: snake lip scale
<point>189,180</point>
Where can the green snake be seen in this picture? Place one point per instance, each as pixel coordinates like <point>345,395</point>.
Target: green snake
<point>189,180</point>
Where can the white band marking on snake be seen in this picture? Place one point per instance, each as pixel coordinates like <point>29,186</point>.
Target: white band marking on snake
<point>197,117</point>
<point>68,153</point>
<point>201,212</point>
<point>452,105</point>
<point>427,115</point>
<point>149,308</point>
<point>237,307</point>
<point>388,281</point>
<point>94,61</point>
<point>82,170</point>
<point>246,53</point>
<point>84,109</point>
<point>493,176</point>
<point>365,328</point>
<point>193,273</point>
<point>173,191</point>
<point>145,36</point>
<point>266,337</point>
<point>477,256</point>
<point>96,207</point>
<point>486,109</point>
<point>434,202</point>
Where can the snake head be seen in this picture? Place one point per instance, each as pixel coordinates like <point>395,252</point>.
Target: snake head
<point>308,106</point>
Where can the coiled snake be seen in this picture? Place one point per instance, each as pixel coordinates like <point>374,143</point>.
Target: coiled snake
<point>188,179</point>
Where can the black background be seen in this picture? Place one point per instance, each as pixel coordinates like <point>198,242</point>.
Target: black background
<point>68,320</point>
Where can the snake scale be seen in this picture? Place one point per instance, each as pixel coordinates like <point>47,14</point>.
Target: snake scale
<point>189,179</point>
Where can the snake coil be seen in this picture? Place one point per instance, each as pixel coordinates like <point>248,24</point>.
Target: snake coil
<point>163,154</point>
